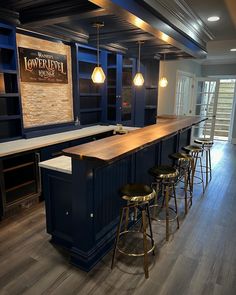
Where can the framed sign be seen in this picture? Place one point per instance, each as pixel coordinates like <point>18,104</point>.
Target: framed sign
<point>42,66</point>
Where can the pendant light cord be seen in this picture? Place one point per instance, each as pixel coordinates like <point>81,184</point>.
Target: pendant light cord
<point>139,54</point>
<point>98,44</point>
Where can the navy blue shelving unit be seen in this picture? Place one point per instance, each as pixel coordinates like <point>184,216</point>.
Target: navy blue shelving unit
<point>120,89</point>
<point>10,105</point>
<point>89,106</point>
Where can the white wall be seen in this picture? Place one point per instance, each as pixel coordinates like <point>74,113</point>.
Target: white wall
<point>166,96</point>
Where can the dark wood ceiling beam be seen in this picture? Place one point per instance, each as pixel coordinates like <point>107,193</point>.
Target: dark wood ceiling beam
<point>44,10</point>
<point>123,36</point>
<point>75,16</point>
<point>132,12</point>
<point>9,16</point>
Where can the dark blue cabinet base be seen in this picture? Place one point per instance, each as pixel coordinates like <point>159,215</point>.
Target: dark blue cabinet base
<point>83,209</point>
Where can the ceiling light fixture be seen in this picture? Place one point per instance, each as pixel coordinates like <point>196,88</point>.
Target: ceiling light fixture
<point>163,82</point>
<point>213,18</point>
<point>233,49</point>
<point>98,75</point>
<point>138,79</point>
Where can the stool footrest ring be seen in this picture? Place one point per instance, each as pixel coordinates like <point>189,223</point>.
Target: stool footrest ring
<point>135,254</point>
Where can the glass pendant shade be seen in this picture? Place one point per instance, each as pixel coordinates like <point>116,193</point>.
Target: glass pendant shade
<point>98,75</point>
<point>163,82</point>
<point>138,79</point>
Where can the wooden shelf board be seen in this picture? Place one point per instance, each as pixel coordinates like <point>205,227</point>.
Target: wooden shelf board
<point>10,117</point>
<point>89,94</point>
<point>18,167</point>
<point>19,186</point>
<point>90,110</point>
<point>9,94</point>
<point>7,71</point>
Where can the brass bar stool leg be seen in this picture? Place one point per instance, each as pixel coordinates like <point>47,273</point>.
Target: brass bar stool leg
<point>186,191</point>
<point>191,176</point>
<point>145,256</point>
<point>150,226</point>
<point>207,161</point>
<point>176,206</point>
<point>167,211</point>
<point>117,237</point>
<point>210,161</point>
<point>203,187</point>
<point>127,216</point>
<point>189,185</point>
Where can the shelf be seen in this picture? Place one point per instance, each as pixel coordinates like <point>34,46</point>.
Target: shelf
<point>84,76</point>
<point>90,110</point>
<point>7,71</point>
<point>10,117</point>
<point>112,67</point>
<point>18,167</point>
<point>90,94</point>
<point>19,186</point>
<point>9,94</point>
<point>7,46</point>
<point>150,107</point>
<point>150,87</point>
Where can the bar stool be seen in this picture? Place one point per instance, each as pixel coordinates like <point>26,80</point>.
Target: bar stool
<point>165,178</point>
<point>137,197</point>
<point>206,145</point>
<point>195,151</point>
<point>184,164</point>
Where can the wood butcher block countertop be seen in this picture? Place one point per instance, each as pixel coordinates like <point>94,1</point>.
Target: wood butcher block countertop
<point>114,147</point>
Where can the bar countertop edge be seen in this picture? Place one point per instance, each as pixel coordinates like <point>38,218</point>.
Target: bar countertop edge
<point>115,147</point>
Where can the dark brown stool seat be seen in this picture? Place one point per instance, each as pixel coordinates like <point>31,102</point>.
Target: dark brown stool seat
<point>137,197</point>
<point>165,178</point>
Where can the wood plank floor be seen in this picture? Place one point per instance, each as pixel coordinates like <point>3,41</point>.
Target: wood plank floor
<point>199,259</point>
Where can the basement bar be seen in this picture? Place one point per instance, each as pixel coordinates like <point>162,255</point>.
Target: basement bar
<point>117,147</point>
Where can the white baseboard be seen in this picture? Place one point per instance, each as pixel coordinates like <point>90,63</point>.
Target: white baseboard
<point>233,140</point>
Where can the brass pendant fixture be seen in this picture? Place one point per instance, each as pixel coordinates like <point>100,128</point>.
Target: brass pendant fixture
<point>138,78</point>
<point>98,75</point>
<point>163,82</point>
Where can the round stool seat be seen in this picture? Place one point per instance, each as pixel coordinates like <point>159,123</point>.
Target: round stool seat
<point>137,192</point>
<point>192,148</point>
<point>203,141</point>
<point>181,157</point>
<point>164,172</point>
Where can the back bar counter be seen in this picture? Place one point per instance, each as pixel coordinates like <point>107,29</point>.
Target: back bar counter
<point>82,205</point>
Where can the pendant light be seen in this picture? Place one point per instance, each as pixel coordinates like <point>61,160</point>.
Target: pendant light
<point>163,82</point>
<point>98,75</point>
<point>138,79</point>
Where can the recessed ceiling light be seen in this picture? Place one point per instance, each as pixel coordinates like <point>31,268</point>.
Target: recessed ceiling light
<point>233,49</point>
<point>213,18</point>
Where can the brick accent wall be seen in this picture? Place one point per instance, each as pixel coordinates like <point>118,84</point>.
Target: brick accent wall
<point>46,103</point>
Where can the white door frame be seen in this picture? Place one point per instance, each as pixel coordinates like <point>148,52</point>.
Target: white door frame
<point>187,74</point>
<point>210,79</point>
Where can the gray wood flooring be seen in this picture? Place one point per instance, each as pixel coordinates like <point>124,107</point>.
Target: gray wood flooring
<point>200,257</point>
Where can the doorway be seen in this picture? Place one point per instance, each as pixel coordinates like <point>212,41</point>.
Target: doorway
<point>207,97</point>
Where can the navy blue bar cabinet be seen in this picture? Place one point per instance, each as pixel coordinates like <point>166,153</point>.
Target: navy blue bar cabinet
<point>82,208</point>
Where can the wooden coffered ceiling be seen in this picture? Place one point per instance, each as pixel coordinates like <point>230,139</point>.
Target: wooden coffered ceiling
<point>164,29</point>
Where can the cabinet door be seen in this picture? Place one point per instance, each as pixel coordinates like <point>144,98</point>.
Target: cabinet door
<point>20,181</point>
<point>127,91</point>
